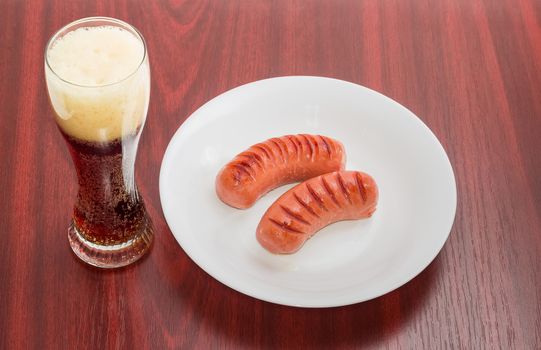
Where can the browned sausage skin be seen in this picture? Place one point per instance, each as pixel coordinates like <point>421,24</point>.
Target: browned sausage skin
<point>276,162</point>
<point>308,207</point>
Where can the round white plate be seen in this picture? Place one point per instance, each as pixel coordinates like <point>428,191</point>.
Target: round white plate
<point>347,262</point>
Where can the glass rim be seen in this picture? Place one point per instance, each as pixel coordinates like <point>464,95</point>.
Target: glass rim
<point>95,19</point>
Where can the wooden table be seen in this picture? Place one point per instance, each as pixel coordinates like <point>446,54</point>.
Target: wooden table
<point>470,69</point>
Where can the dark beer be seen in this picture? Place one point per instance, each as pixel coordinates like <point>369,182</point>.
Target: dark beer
<point>112,216</point>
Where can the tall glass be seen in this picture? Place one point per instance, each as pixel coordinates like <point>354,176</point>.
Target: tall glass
<point>98,79</point>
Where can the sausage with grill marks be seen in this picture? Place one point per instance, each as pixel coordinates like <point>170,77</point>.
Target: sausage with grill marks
<point>276,162</point>
<point>308,207</point>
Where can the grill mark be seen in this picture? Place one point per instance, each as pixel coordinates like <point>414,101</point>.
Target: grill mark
<point>290,138</point>
<point>269,150</point>
<point>306,206</point>
<point>300,144</point>
<point>324,139</point>
<point>293,215</point>
<point>247,166</point>
<point>253,157</point>
<point>316,197</point>
<point>285,146</point>
<point>279,149</point>
<point>343,187</point>
<point>285,227</point>
<point>310,147</point>
<point>330,192</point>
<point>360,185</point>
<point>241,169</point>
<point>259,147</point>
<point>316,144</point>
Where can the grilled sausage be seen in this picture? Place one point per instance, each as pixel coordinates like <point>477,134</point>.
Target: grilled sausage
<point>276,162</point>
<point>308,207</point>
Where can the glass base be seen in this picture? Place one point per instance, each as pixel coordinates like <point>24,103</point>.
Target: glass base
<point>110,256</point>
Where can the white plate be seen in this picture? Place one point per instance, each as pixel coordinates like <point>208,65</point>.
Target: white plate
<point>347,262</point>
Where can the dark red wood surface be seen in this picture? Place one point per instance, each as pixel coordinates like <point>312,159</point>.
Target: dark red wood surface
<point>471,69</point>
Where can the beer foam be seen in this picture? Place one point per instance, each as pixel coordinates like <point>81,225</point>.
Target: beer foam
<point>99,88</point>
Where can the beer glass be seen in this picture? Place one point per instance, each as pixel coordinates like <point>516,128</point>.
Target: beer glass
<point>98,80</point>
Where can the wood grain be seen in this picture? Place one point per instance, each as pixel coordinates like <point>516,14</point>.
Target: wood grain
<point>469,68</point>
